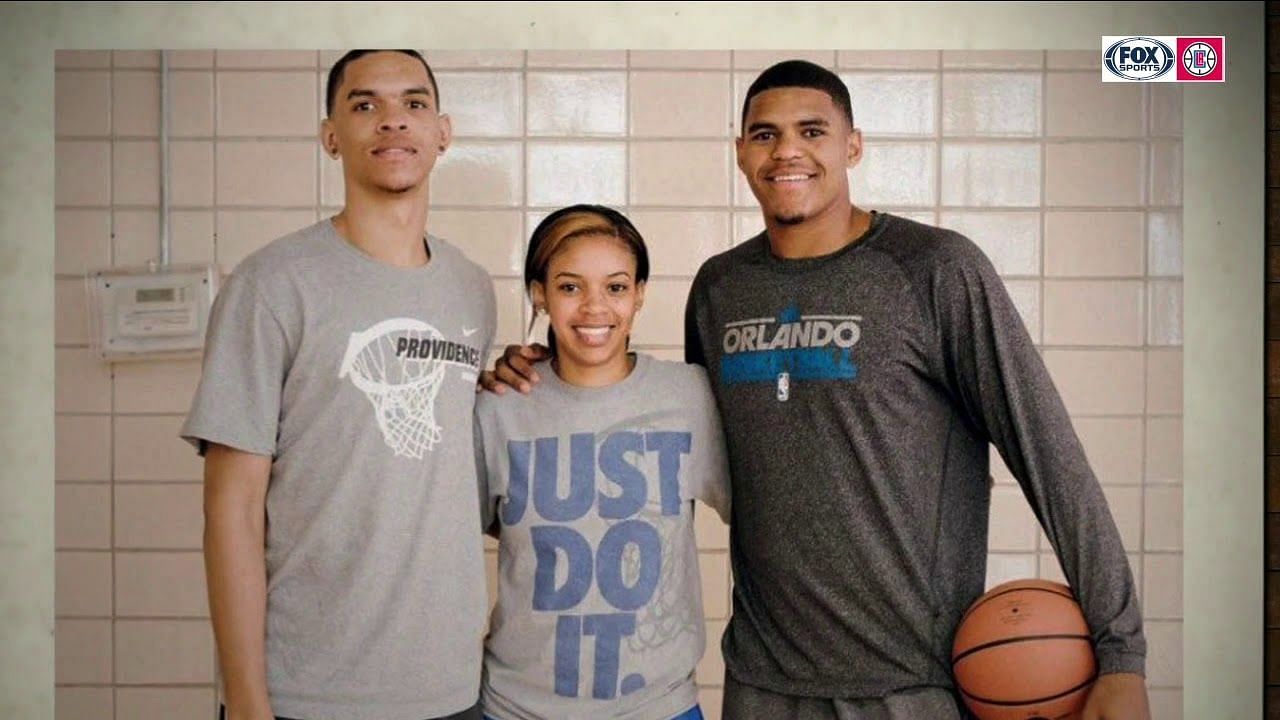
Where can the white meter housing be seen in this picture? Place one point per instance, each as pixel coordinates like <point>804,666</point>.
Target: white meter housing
<point>143,314</point>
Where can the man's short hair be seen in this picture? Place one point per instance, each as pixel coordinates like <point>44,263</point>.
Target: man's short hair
<point>340,67</point>
<point>804,74</point>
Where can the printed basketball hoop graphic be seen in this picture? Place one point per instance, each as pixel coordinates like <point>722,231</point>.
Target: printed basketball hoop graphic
<point>385,364</point>
<point>668,615</point>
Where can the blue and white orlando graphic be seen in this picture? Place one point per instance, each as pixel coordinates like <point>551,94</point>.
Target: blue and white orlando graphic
<point>804,347</point>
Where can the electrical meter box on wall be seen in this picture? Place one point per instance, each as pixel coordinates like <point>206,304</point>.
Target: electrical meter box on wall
<point>146,314</point>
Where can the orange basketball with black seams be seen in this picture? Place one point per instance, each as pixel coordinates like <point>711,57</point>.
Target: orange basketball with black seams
<point>1023,652</point>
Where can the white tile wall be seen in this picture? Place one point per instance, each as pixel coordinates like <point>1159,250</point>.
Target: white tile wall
<point>1079,212</point>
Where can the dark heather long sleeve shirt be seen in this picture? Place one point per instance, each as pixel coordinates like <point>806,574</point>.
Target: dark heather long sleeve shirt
<point>859,393</point>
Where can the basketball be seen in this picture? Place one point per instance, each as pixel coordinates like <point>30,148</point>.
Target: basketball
<point>1023,651</point>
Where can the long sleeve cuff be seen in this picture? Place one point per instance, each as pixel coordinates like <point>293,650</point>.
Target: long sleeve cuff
<point>1110,662</point>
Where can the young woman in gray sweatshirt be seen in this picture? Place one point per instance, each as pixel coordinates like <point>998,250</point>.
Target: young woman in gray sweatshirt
<point>588,483</point>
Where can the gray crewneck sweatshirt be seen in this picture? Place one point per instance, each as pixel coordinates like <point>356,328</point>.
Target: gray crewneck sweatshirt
<point>599,611</point>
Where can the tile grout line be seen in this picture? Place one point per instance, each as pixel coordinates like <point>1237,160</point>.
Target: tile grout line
<point>526,307</point>
<point>1146,315</point>
<point>1043,124</point>
<point>939,92</point>
<point>111,430</point>
<point>217,113</point>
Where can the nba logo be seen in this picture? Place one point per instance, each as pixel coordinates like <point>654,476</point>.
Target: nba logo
<point>1202,59</point>
<point>784,386</point>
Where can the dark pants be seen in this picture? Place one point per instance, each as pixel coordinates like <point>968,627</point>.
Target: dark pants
<point>746,702</point>
<point>471,713</point>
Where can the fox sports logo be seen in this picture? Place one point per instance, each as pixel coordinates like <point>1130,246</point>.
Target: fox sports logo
<point>1138,58</point>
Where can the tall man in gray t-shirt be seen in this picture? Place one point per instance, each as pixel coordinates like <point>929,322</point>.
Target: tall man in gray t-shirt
<point>342,541</point>
<point>862,364</point>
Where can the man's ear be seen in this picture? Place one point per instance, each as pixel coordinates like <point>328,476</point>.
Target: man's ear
<point>446,133</point>
<point>855,148</point>
<point>329,138</point>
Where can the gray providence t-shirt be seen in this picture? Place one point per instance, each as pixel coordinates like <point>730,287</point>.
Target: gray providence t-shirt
<point>599,610</point>
<point>358,379</point>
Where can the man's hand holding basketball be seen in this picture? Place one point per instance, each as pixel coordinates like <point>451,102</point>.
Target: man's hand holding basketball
<point>1118,696</point>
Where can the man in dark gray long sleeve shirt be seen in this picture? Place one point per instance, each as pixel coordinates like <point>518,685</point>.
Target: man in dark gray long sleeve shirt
<point>862,363</point>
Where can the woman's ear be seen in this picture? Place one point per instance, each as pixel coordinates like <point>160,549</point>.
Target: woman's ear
<point>538,295</point>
